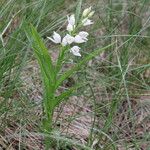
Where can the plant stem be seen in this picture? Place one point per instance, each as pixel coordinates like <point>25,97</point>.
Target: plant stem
<point>47,127</point>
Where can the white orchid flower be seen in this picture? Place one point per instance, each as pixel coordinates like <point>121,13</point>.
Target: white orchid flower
<point>70,27</point>
<point>80,39</point>
<point>71,20</point>
<point>75,50</point>
<point>83,34</point>
<point>86,11</point>
<point>68,39</point>
<point>56,38</point>
<point>87,22</point>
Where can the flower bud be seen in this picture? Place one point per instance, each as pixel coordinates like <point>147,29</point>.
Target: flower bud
<point>86,12</point>
<point>91,14</point>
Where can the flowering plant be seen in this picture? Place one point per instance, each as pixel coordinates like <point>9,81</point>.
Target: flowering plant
<point>50,71</point>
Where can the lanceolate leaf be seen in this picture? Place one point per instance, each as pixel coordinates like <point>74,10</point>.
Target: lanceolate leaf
<point>78,10</point>
<point>46,67</point>
<point>42,54</point>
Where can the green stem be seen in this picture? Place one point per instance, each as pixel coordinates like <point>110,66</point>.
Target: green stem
<point>48,119</point>
<point>60,59</point>
<point>47,127</point>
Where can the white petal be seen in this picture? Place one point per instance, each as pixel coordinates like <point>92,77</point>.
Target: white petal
<point>83,34</point>
<point>52,40</point>
<point>87,22</point>
<point>76,54</point>
<point>64,42</point>
<point>69,27</point>
<point>57,37</point>
<point>75,50</point>
<point>68,39</point>
<point>79,39</point>
<point>71,19</point>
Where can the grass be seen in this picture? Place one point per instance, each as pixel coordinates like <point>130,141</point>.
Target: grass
<point>112,110</point>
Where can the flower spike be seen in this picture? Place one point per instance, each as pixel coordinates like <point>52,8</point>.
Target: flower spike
<point>72,28</point>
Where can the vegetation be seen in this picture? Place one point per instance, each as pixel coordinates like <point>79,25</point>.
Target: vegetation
<point>100,100</point>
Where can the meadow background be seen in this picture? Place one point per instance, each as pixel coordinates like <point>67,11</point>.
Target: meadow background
<point>112,112</point>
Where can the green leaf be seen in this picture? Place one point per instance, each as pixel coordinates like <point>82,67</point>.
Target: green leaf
<point>44,51</point>
<point>41,53</point>
<point>46,67</point>
<point>78,10</point>
<point>80,64</point>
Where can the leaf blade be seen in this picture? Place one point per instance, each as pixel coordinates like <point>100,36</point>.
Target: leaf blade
<point>78,10</point>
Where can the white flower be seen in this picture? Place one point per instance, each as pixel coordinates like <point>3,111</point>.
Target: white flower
<point>56,38</point>
<point>71,23</point>
<point>87,22</point>
<point>83,34</point>
<point>86,12</point>
<point>71,20</point>
<point>80,39</point>
<point>75,50</point>
<point>68,39</point>
<point>70,27</point>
